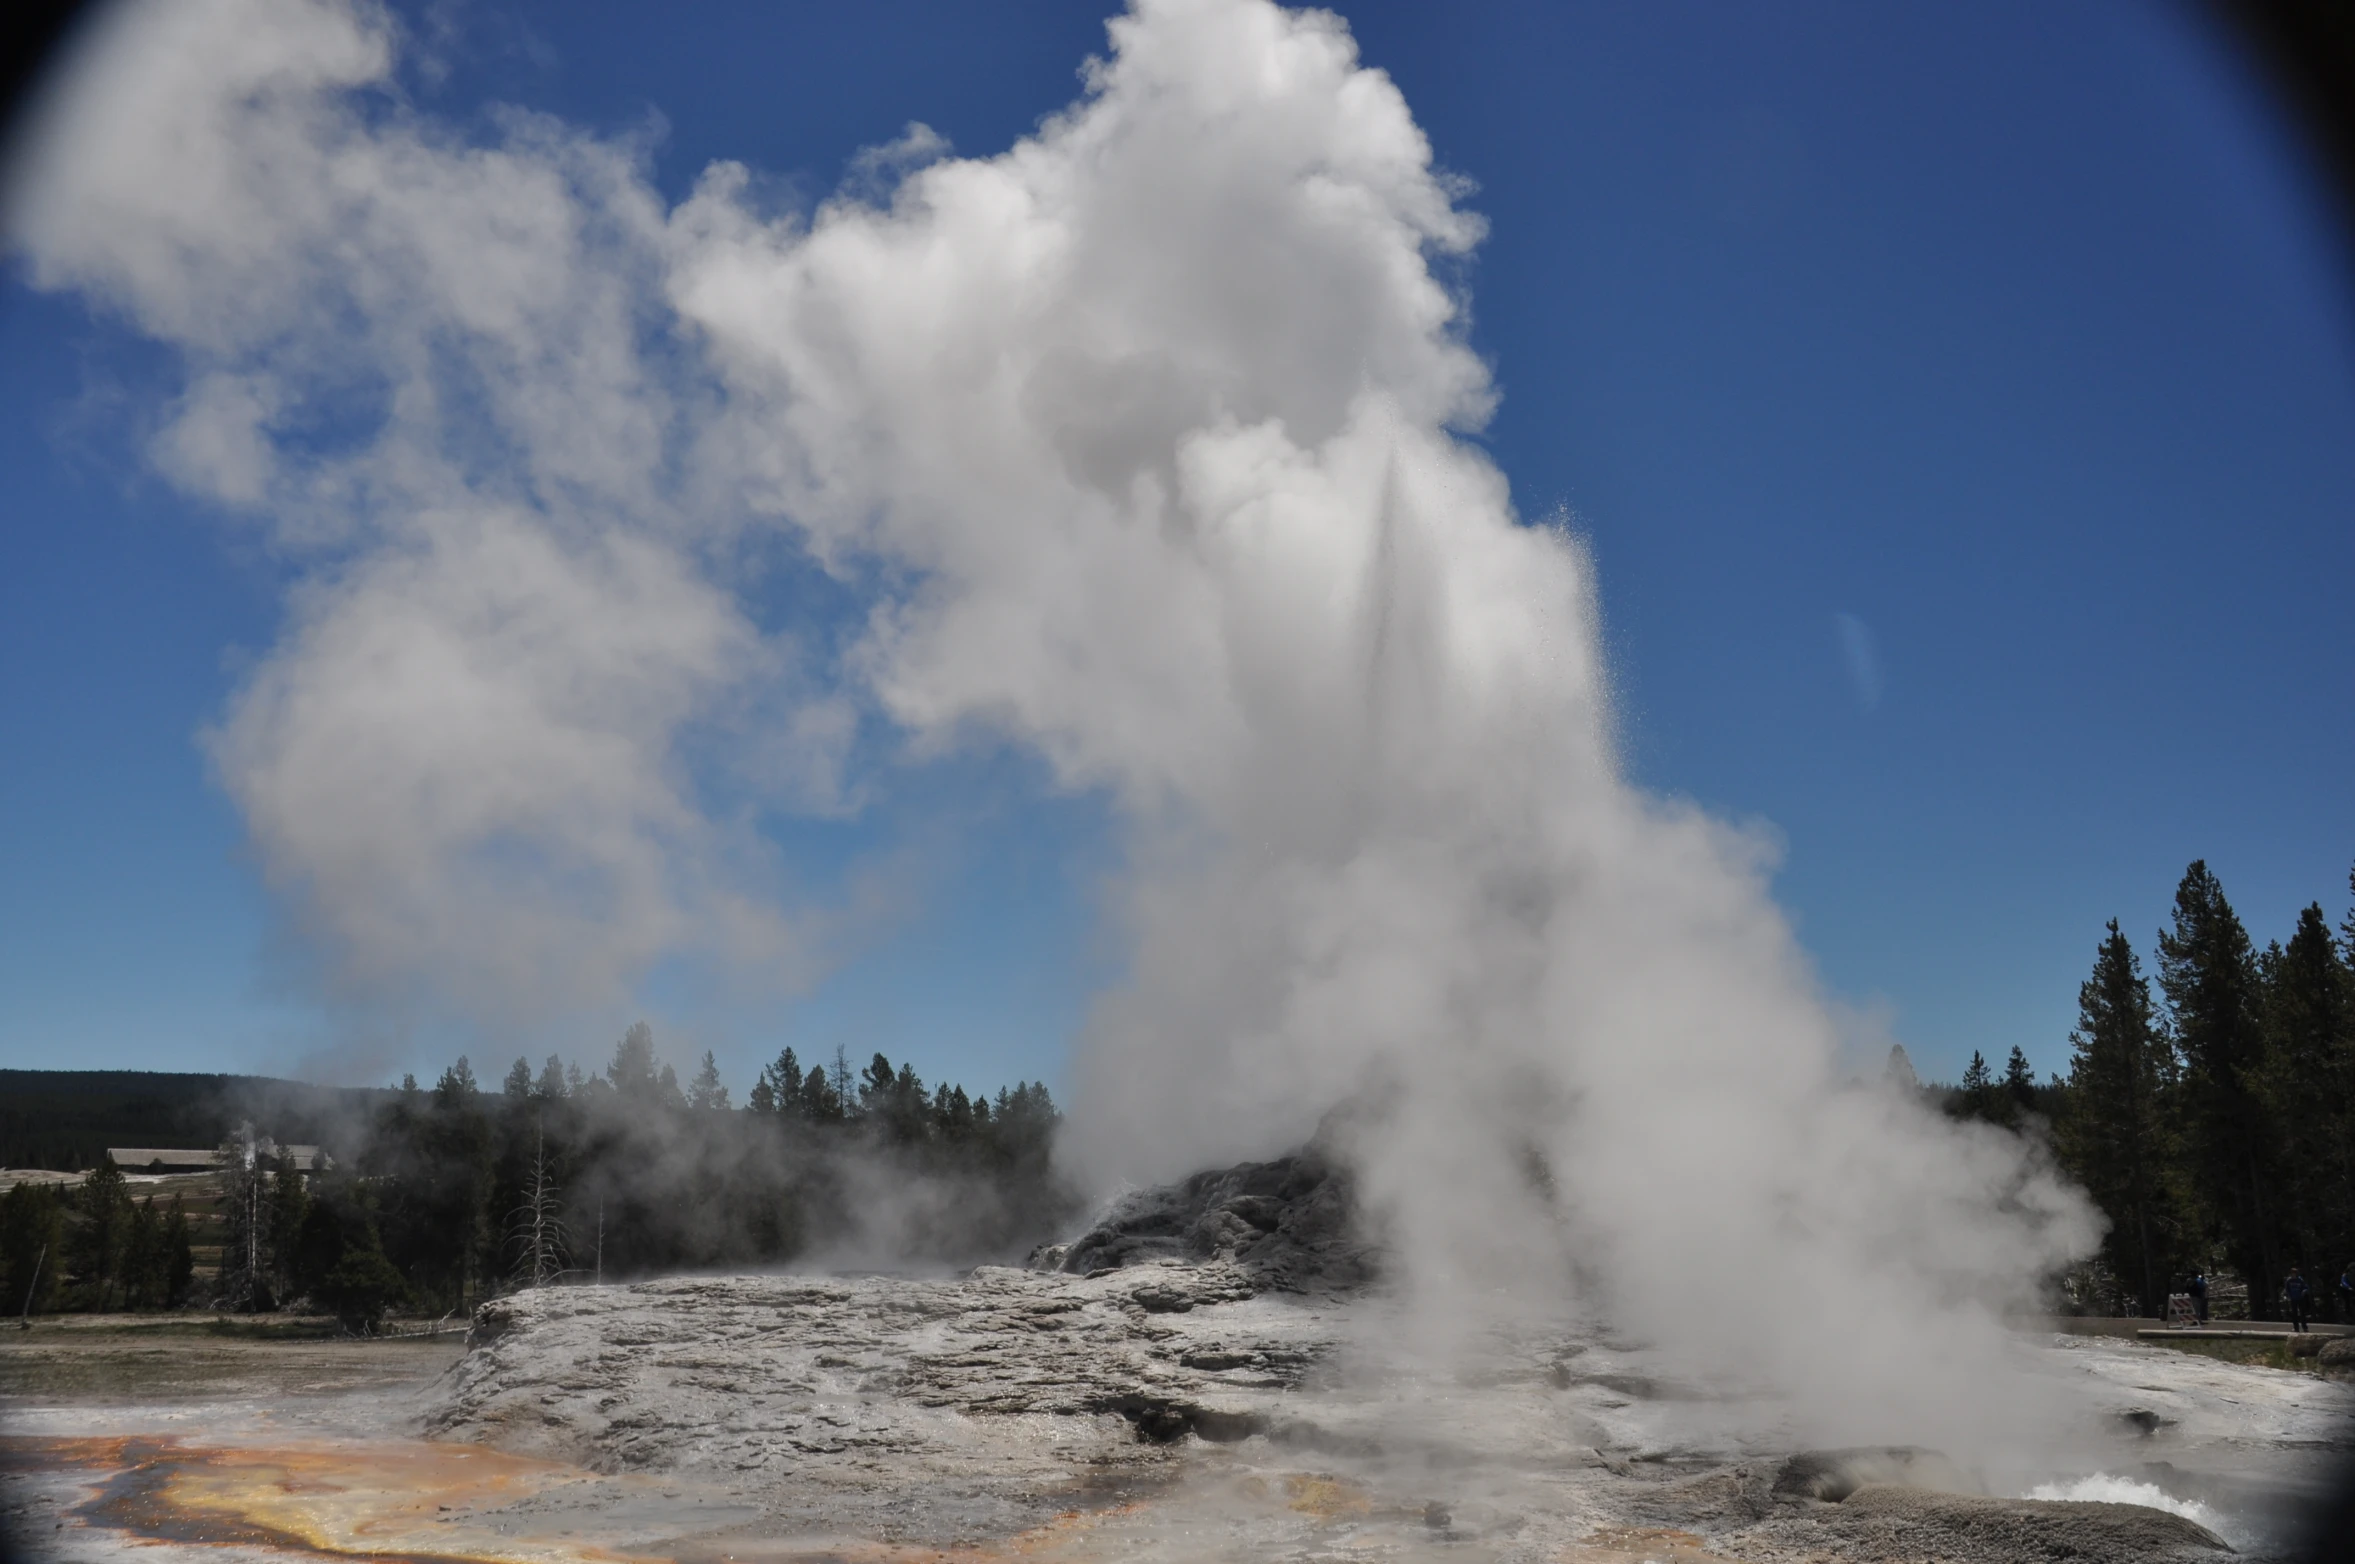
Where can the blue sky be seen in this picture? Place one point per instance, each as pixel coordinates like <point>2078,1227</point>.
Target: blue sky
<point>1958,405</point>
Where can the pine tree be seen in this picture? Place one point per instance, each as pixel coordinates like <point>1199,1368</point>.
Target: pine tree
<point>952,1114</point>
<point>444,1237</point>
<point>1978,1089</point>
<point>2114,1134</point>
<point>362,1285</point>
<point>822,1101</point>
<point>706,1091</point>
<point>779,1088</point>
<point>2347,926</point>
<point>2209,973</point>
<point>895,1101</point>
<point>2019,1085</point>
<point>632,1071</point>
<point>519,1081</point>
<point>875,1084</point>
<point>94,1252</point>
<point>32,1248</point>
<point>290,1201</point>
<point>179,1257</point>
<point>2308,1084</point>
<point>457,1087</point>
<point>143,1259</point>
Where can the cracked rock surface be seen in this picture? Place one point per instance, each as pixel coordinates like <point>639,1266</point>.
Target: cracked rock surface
<point>1175,1410</point>
<point>1007,1395</point>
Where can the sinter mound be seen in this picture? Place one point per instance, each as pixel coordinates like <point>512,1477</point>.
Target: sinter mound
<point>1290,1224</point>
<point>1198,1352</point>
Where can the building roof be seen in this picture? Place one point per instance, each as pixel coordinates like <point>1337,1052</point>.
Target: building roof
<point>175,1159</point>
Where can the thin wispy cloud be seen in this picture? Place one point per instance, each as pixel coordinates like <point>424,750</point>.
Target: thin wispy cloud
<point>1860,655</point>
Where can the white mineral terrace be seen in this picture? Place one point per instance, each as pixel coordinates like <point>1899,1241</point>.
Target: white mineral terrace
<point>1165,1411</point>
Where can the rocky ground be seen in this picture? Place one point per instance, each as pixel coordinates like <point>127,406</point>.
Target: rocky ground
<point>1183,1411</point>
<point>1205,1375</point>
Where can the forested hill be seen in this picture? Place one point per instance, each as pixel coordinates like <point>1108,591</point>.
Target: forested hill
<point>67,1118</point>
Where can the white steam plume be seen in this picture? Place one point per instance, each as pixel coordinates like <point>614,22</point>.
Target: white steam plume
<point>1159,413</point>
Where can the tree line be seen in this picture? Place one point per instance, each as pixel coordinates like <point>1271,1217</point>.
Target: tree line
<point>94,1247</point>
<point>444,1195</point>
<point>66,1119</point>
<point>2213,1121</point>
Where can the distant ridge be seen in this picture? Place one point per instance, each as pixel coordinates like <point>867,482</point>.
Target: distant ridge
<point>65,1119</point>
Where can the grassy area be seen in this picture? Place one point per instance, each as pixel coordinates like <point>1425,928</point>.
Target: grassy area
<point>2256,1354</point>
<point>217,1327</point>
<point>187,1362</point>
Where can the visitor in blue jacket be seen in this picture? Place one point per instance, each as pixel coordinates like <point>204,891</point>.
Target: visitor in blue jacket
<point>2294,1290</point>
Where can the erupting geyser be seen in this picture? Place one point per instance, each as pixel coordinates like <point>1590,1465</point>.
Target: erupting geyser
<point>1142,445</point>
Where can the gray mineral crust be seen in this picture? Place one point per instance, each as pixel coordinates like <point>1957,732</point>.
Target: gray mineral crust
<point>1003,1393</point>
<point>1881,1521</point>
<point>1213,1371</point>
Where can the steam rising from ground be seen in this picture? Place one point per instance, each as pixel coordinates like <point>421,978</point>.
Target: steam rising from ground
<point>2105,1489</point>
<point>1141,442</point>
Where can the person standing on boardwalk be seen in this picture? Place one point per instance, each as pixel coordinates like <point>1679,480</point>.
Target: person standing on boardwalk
<point>2199,1295</point>
<point>2294,1289</point>
<point>2346,1290</point>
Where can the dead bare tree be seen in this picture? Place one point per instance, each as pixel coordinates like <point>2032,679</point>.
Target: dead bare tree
<point>244,1280</point>
<point>536,1227</point>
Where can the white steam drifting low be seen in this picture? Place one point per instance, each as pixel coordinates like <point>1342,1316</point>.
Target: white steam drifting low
<point>1142,441</point>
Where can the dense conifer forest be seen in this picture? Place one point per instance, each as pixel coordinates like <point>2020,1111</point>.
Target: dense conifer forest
<point>2212,1118</point>
<point>65,1119</point>
<point>2208,1109</point>
<point>429,1199</point>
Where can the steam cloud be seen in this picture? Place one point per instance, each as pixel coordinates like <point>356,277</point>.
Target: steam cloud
<point>1141,442</point>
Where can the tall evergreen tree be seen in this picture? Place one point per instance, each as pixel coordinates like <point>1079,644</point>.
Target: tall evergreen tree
<point>101,1235</point>
<point>706,1091</point>
<point>2347,926</point>
<point>632,1071</point>
<point>822,1100</point>
<point>2019,1085</point>
<point>1978,1088</point>
<point>290,1201</point>
<point>2309,1086</point>
<point>179,1258</point>
<point>2114,1134</point>
<point>779,1088</point>
<point>2209,973</point>
<point>143,1259</point>
<point>455,1182</point>
<point>32,1248</point>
